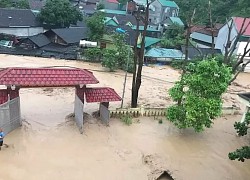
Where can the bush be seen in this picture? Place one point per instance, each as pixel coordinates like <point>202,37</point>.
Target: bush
<point>110,59</point>
<point>93,54</point>
<point>127,119</point>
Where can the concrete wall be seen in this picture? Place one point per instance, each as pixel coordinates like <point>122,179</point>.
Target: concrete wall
<point>22,32</point>
<point>223,36</point>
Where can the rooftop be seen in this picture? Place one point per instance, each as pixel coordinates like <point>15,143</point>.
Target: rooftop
<point>239,22</point>
<point>71,35</point>
<point>110,11</point>
<point>17,18</point>
<point>176,20</point>
<point>164,53</point>
<point>40,40</point>
<point>149,41</point>
<point>245,96</point>
<point>102,94</point>
<point>46,77</point>
<point>168,3</point>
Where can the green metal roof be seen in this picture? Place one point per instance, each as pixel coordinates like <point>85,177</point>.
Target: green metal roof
<point>110,21</point>
<point>110,11</point>
<point>168,3</point>
<point>141,28</point>
<point>176,20</point>
<point>149,41</point>
<point>164,53</point>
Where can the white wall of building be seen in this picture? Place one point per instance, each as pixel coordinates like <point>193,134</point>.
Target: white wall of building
<point>223,36</point>
<point>22,31</point>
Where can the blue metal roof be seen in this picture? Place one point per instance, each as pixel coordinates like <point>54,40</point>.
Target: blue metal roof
<point>164,53</point>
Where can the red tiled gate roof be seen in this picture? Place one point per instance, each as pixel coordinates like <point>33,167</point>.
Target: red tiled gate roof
<point>101,95</point>
<point>3,96</point>
<point>46,77</point>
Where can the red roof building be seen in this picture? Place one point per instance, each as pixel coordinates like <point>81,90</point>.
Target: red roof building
<point>46,77</point>
<point>239,22</point>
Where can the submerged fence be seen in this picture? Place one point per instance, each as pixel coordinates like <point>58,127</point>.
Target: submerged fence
<point>156,111</point>
<point>10,117</point>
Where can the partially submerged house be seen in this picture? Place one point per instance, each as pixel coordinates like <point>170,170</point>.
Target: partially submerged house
<point>194,53</point>
<point>163,55</point>
<point>19,22</point>
<point>34,42</point>
<point>67,36</point>
<point>202,35</point>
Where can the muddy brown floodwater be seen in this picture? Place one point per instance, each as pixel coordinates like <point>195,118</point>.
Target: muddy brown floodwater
<point>49,145</point>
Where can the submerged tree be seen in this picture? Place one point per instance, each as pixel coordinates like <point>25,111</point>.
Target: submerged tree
<point>198,95</point>
<point>244,152</point>
<point>59,13</point>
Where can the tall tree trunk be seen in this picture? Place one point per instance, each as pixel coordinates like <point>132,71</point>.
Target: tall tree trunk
<point>136,84</point>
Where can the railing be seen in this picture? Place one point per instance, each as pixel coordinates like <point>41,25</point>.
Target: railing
<point>156,111</point>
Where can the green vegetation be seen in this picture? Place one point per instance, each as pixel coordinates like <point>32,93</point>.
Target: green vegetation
<point>59,13</point>
<point>198,94</point>
<point>110,59</point>
<point>93,54</point>
<point>244,152</point>
<point>21,4</point>
<point>127,119</point>
<point>220,9</point>
<point>96,26</point>
<point>174,37</point>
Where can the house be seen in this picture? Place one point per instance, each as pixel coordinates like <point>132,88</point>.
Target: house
<point>237,23</point>
<point>34,42</point>
<point>112,5</point>
<point>19,22</point>
<point>245,100</point>
<point>202,35</point>
<point>161,10</point>
<point>67,36</point>
<point>194,53</point>
<point>222,39</point>
<point>163,55</point>
<point>88,10</point>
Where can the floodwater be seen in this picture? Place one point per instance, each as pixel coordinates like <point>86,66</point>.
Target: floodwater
<point>49,145</point>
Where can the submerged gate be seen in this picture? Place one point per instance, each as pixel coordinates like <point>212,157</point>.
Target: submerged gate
<point>10,117</point>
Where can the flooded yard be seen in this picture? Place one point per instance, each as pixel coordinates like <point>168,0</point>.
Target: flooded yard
<point>49,145</point>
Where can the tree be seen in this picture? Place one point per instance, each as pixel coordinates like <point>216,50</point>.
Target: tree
<point>93,54</point>
<point>173,37</point>
<point>22,4</point>
<point>142,14</point>
<point>110,59</point>
<point>6,4</point>
<point>96,26</point>
<point>198,95</point>
<point>244,152</point>
<point>59,13</point>
<point>124,53</point>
